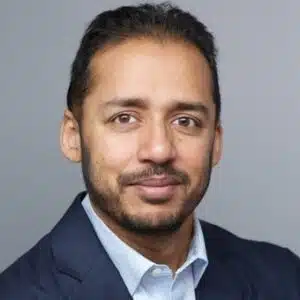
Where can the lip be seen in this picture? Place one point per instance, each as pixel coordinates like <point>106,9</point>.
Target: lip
<point>161,181</point>
<point>156,189</point>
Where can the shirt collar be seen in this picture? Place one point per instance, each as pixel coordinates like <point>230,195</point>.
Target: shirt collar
<point>197,256</point>
<point>131,265</point>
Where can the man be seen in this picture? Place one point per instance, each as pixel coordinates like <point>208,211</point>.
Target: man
<point>143,119</point>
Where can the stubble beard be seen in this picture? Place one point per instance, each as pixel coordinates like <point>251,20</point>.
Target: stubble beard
<point>108,202</point>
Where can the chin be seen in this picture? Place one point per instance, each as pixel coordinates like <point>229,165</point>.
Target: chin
<point>158,222</point>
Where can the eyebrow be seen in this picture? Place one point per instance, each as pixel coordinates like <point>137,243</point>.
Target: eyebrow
<point>127,102</point>
<point>178,105</point>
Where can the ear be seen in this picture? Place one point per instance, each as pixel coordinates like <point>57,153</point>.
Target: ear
<point>70,137</point>
<point>218,144</point>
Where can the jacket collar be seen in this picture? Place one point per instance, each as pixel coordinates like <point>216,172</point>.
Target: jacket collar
<point>225,277</point>
<point>80,256</point>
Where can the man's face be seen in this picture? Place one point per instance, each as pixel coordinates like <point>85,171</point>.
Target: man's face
<point>148,136</point>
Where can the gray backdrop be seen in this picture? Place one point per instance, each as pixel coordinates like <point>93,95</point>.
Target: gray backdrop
<point>255,190</point>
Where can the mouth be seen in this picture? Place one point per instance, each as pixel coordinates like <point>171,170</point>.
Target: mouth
<point>157,189</point>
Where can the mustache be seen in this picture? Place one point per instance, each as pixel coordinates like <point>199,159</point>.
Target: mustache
<point>154,170</point>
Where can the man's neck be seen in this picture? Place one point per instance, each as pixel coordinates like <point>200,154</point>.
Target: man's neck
<point>170,250</point>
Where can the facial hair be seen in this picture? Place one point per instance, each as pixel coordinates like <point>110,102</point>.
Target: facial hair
<point>107,201</point>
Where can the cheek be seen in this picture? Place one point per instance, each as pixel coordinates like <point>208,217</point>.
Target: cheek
<point>113,152</point>
<point>194,156</point>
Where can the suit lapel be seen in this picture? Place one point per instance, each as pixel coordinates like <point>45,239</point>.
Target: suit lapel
<point>225,277</point>
<point>219,282</point>
<point>103,282</point>
<point>85,270</point>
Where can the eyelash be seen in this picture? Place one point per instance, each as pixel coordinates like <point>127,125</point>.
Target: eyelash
<point>129,115</point>
<point>196,121</point>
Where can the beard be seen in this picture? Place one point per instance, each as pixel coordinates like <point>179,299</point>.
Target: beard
<point>107,200</point>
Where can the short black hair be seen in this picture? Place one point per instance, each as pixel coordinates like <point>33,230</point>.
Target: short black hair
<point>158,21</point>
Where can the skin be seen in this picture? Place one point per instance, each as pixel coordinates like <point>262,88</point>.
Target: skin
<point>147,142</point>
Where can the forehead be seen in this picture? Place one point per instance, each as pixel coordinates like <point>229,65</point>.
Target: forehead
<point>146,68</point>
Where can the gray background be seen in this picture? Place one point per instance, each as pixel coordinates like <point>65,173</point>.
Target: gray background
<point>255,190</point>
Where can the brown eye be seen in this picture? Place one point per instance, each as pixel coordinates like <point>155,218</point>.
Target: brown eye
<point>124,119</point>
<point>185,122</point>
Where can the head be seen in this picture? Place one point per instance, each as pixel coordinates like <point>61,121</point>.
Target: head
<point>143,116</point>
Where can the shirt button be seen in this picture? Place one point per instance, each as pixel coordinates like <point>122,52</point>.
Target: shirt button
<point>156,272</point>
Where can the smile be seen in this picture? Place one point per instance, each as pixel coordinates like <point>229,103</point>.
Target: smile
<point>157,188</point>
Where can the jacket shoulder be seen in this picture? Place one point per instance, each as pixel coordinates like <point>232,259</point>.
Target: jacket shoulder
<point>266,265</point>
<point>215,235</point>
<point>31,276</point>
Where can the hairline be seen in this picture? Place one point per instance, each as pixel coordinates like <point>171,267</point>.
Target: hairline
<point>159,37</point>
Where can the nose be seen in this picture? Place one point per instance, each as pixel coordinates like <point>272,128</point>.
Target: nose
<point>156,145</point>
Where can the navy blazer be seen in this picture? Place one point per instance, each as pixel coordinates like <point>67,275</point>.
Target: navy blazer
<point>70,263</point>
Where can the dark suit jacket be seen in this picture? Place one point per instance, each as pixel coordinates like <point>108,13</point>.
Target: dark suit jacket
<point>70,263</point>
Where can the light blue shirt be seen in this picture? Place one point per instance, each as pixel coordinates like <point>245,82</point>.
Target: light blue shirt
<point>144,279</point>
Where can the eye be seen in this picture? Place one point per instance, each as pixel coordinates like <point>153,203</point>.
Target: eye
<point>124,119</point>
<point>186,122</point>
